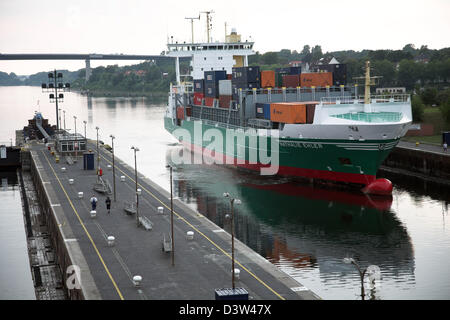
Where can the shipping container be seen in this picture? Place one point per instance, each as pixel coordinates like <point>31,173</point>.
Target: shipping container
<point>188,111</point>
<point>215,76</point>
<point>225,87</point>
<point>263,111</point>
<point>283,70</point>
<point>211,90</point>
<point>295,70</point>
<point>246,74</point>
<point>229,76</point>
<point>291,80</point>
<point>288,112</point>
<point>209,101</point>
<point>310,110</point>
<point>316,79</point>
<point>224,101</point>
<point>180,113</point>
<point>198,97</point>
<point>268,79</point>
<point>339,72</point>
<point>199,85</point>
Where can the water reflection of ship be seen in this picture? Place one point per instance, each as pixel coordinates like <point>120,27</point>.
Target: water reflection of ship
<point>303,225</point>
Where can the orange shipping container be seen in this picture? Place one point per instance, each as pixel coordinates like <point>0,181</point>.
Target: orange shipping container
<point>316,79</point>
<point>268,79</point>
<point>288,112</point>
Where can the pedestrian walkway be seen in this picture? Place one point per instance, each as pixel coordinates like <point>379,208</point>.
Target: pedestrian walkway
<point>201,265</point>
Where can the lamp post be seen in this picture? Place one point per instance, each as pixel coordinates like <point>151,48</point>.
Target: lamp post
<point>98,156</point>
<point>85,122</point>
<point>75,145</point>
<point>372,270</point>
<point>232,202</point>
<point>114,167</point>
<point>171,215</point>
<point>136,179</point>
<point>64,113</point>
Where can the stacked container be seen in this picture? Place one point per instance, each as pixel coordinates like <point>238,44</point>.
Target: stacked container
<point>212,79</point>
<point>268,79</point>
<point>291,80</point>
<point>338,70</point>
<point>225,93</point>
<point>199,91</point>
<point>245,78</point>
<point>316,79</point>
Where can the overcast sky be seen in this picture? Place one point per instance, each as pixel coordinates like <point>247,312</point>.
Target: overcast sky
<point>142,27</point>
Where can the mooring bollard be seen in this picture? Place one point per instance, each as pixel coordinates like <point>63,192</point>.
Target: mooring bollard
<point>111,240</point>
<point>137,281</point>
<point>122,178</point>
<point>109,167</point>
<point>160,210</point>
<point>190,235</point>
<point>237,273</point>
<point>71,181</point>
<point>80,195</point>
<point>63,169</point>
<point>93,214</point>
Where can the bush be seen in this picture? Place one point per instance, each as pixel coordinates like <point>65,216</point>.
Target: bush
<point>417,108</point>
<point>445,110</point>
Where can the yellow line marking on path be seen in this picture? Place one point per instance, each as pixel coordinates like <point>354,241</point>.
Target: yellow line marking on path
<point>86,231</point>
<point>201,233</point>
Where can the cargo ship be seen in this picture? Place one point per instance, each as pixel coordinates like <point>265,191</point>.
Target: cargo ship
<point>287,121</point>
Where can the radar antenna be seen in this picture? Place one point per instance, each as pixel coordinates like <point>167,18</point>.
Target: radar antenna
<point>192,25</point>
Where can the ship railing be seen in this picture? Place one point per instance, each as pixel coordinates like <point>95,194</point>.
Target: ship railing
<point>382,98</point>
<point>299,89</point>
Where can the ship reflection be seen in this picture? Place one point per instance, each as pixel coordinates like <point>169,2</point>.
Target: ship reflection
<point>301,226</point>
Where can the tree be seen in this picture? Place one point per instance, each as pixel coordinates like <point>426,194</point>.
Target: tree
<point>407,75</point>
<point>269,58</point>
<point>305,55</point>
<point>316,53</point>
<point>429,96</point>
<point>417,108</point>
<point>386,69</point>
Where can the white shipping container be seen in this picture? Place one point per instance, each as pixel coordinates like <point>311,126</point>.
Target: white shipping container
<point>225,87</point>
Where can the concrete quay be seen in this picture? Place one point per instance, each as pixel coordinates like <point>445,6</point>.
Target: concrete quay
<point>201,264</point>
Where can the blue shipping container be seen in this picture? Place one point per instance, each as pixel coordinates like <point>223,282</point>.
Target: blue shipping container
<point>263,111</point>
<point>295,70</point>
<point>215,76</point>
<point>199,85</point>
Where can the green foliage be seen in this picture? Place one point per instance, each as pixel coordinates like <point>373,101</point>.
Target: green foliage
<point>429,96</point>
<point>417,108</point>
<point>445,111</point>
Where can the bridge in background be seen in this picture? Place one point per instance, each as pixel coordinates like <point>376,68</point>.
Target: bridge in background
<point>86,57</point>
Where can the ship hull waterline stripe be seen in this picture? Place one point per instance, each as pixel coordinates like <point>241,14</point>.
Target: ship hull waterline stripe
<point>202,234</point>
<point>87,232</point>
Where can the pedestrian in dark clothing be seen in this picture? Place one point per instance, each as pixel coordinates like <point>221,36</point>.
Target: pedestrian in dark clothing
<point>94,202</point>
<point>108,204</point>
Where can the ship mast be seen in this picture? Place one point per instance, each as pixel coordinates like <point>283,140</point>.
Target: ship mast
<point>367,84</point>
<point>208,24</point>
<point>192,25</point>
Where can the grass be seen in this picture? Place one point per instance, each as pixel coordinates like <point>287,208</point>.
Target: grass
<point>431,115</point>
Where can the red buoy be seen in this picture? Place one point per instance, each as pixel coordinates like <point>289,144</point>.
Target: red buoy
<point>379,187</point>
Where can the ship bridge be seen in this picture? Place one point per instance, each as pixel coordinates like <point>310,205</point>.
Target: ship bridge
<point>211,56</point>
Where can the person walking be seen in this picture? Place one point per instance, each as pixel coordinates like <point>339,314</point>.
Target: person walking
<point>445,146</point>
<point>94,202</point>
<point>108,204</point>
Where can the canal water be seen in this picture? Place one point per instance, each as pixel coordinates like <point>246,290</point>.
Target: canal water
<point>306,231</point>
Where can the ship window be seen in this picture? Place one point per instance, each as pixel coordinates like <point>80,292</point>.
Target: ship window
<point>345,161</point>
<point>204,58</point>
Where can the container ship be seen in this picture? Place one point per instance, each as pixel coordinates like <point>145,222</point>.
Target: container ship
<point>312,123</point>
